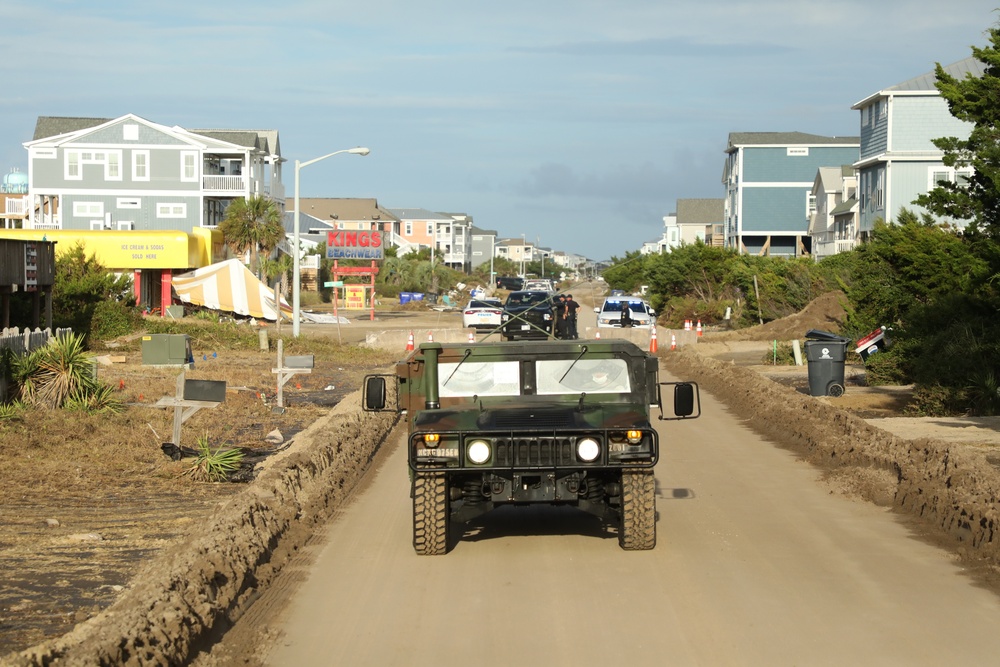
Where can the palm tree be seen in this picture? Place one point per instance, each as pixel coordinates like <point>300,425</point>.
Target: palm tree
<point>253,225</point>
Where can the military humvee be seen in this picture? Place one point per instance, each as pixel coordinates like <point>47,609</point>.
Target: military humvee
<point>555,422</point>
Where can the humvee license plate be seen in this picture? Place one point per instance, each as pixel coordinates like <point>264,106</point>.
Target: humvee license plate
<point>438,453</point>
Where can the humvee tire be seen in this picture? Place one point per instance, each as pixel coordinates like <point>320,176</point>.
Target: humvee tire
<point>638,526</point>
<point>430,514</point>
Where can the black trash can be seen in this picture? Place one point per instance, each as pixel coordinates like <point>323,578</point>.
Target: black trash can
<point>825,354</point>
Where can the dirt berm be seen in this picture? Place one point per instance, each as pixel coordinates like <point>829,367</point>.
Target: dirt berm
<point>198,587</point>
<point>195,589</point>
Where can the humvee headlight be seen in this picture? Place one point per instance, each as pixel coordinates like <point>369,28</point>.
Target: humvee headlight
<point>634,437</point>
<point>479,451</point>
<point>432,439</point>
<point>587,449</point>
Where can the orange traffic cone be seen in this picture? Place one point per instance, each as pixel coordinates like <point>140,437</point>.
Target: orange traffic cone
<point>597,336</point>
<point>472,337</point>
<point>430,336</point>
<point>673,341</point>
<point>409,342</point>
<point>652,340</point>
<point>699,327</point>
<point>687,325</point>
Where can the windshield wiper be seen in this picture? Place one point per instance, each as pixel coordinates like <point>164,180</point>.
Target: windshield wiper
<point>583,351</point>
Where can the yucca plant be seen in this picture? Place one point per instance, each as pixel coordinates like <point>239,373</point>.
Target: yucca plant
<point>97,399</point>
<point>12,411</point>
<point>214,465</point>
<point>52,373</point>
<point>983,392</point>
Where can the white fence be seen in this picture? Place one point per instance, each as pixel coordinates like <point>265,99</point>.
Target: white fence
<point>24,342</point>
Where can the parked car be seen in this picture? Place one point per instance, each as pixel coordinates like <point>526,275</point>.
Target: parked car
<point>609,314</point>
<point>482,314</point>
<point>539,285</point>
<point>528,315</point>
<point>510,282</point>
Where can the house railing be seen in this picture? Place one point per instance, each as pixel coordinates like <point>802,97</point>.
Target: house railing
<point>16,206</point>
<point>844,245</point>
<point>221,183</point>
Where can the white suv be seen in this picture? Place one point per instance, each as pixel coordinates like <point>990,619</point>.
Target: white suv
<point>610,314</point>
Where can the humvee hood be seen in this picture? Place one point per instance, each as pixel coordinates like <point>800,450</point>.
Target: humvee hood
<point>532,417</point>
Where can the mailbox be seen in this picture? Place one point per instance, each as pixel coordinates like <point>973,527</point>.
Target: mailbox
<point>302,361</point>
<point>205,390</point>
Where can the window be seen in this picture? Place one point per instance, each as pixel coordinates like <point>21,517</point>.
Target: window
<point>594,376</point>
<point>96,225</point>
<point>128,203</point>
<point>960,177</point>
<point>164,210</point>
<point>140,165</point>
<point>430,229</point>
<point>407,228</point>
<point>474,378</point>
<point>73,166</point>
<point>189,169</point>
<point>112,166</point>
<point>88,209</point>
<point>810,204</point>
<point>125,225</point>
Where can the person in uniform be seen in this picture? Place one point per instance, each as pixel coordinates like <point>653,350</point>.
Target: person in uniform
<point>561,312</point>
<point>626,319</point>
<point>571,308</point>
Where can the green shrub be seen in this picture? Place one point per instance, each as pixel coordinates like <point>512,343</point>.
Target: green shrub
<point>112,319</point>
<point>933,401</point>
<point>983,393</point>
<point>885,368</point>
<point>780,355</point>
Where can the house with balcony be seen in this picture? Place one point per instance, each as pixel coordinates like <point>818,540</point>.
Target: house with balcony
<point>898,160</point>
<point>460,242</point>
<point>833,201</point>
<point>448,237</point>
<point>518,251</point>
<point>143,197</point>
<point>768,178</point>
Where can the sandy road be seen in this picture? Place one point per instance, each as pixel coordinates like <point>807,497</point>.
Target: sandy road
<point>757,564</point>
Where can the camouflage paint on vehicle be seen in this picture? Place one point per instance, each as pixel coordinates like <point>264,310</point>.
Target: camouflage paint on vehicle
<point>555,422</point>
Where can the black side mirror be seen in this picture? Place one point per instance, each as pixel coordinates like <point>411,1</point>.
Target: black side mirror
<point>687,401</point>
<point>684,400</point>
<point>375,393</point>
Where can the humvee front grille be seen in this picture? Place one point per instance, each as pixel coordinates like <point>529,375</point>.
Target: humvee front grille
<point>533,452</point>
<point>536,418</point>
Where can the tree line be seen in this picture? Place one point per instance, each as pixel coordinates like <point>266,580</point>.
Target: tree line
<point>936,285</point>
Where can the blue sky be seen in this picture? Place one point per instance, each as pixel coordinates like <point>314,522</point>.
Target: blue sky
<point>576,123</point>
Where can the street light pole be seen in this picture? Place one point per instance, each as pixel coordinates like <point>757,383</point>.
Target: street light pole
<point>296,277</point>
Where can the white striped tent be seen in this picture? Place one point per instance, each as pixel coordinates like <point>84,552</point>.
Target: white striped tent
<point>228,286</point>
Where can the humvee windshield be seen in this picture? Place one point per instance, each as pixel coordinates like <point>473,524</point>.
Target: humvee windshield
<point>553,377</point>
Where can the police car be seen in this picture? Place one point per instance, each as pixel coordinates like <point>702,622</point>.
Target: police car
<point>610,313</point>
